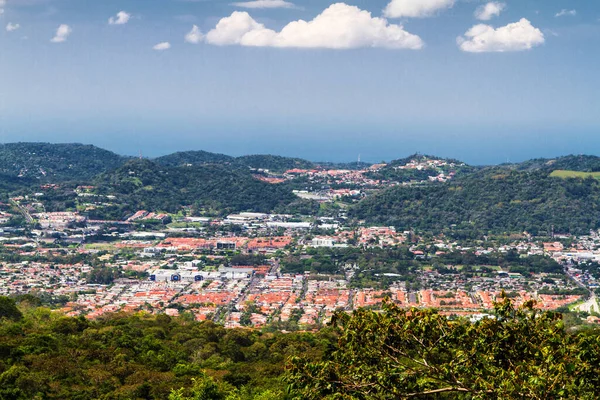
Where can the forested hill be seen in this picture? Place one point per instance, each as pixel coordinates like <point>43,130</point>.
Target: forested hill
<point>200,157</point>
<point>144,184</point>
<point>273,163</point>
<point>581,163</point>
<point>258,161</point>
<point>56,162</point>
<point>423,167</point>
<point>421,157</point>
<point>493,199</point>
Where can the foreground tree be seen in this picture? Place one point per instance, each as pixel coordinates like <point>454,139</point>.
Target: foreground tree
<point>9,310</point>
<point>520,353</point>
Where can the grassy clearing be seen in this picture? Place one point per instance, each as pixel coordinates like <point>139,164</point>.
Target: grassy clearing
<point>99,246</point>
<point>559,173</point>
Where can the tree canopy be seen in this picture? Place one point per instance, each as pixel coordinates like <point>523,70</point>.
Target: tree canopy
<point>518,353</point>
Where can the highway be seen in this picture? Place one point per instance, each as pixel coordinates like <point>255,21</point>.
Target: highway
<point>23,212</point>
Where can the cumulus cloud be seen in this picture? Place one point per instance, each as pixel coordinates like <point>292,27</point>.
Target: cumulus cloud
<point>340,26</point>
<point>162,46</point>
<point>62,33</point>
<point>194,36</point>
<point>489,10</point>
<point>416,8</point>
<point>121,18</point>
<point>566,13</point>
<point>264,4</point>
<point>517,36</point>
<point>10,27</point>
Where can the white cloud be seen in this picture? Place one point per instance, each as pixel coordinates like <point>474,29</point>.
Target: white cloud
<point>489,10</point>
<point>566,13</point>
<point>62,33</point>
<point>194,36</point>
<point>416,8</point>
<point>264,4</point>
<point>10,27</point>
<point>121,18</point>
<point>340,26</point>
<point>162,46</point>
<point>2,4</point>
<point>231,30</point>
<point>517,36</point>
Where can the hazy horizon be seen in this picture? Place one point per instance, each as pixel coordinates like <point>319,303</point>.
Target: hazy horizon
<point>313,157</point>
<point>379,78</point>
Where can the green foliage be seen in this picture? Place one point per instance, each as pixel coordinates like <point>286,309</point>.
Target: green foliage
<point>8,309</point>
<point>494,200</point>
<point>391,172</point>
<point>273,163</point>
<point>574,174</point>
<point>582,163</point>
<point>370,263</point>
<point>270,162</point>
<point>48,356</point>
<point>183,158</point>
<point>56,162</point>
<point>509,260</point>
<point>520,353</point>
<point>143,184</point>
<point>103,275</point>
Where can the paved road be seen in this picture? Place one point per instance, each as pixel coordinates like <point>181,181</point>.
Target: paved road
<point>592,303</point>
<point>589,306</point>
<point>23,212</point>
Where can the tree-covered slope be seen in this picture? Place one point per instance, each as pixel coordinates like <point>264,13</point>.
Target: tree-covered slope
<point>143,184</point>
<point>259,161</point>
<point>56,162</point>
<point>273,163</point>
<point>520,353</point>
<point>582,163</point>
<point>44,355</point>
<point>10,184</point>
<point>421,168</point>
<point>495,199</point>
<point>199,157</point>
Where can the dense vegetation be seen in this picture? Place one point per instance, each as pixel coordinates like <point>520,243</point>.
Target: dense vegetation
<point>56,162</point>
<point>495,199</point>
<point>143,184</point>
<point>44,355</point>
<point>402,354</point>
<point>519,353</point>
<point>13,185</point>
<point>273,163</point>
<point>392,172</point>
<point>379,267</point>
<point>582,163</point>
<point>270,162</point>
<point>200,157</point>
<point>510,198</point>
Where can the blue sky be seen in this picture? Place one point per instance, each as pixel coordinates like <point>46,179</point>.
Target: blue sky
<point>515,80</point>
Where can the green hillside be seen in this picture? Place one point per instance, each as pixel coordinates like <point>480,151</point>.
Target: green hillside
<point>582,163</point>
<point>393,171</point>
<point>390,354</point>
<point>273,163</point>
<point>200,157</point>
<point>259,161</point>
<point>494,199</point>
<point>561,173</point>
<point>56,162</point>
<point>44,355</point>
<point>144,184</point>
